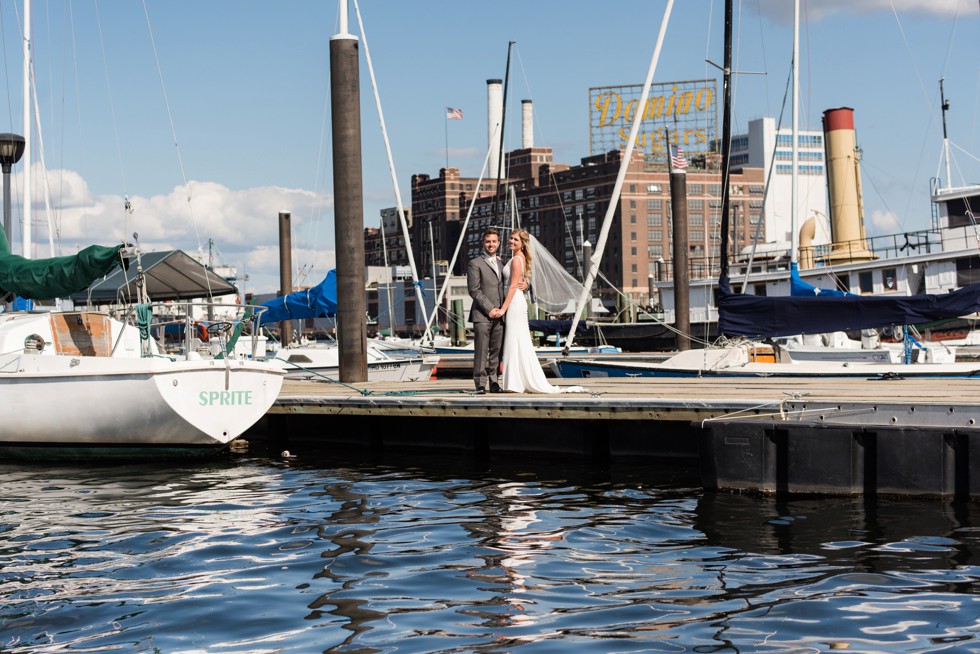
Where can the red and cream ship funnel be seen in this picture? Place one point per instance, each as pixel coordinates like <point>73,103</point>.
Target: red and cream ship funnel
<point>844,188</point>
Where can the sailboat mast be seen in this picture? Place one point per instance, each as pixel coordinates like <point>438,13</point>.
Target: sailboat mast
<point>503,117</point>
<point>726,141</point>
<point>420,298</point>
<point>794,178</point>
<point>618,185</point>
<point>945,106</point>
<point>26,217</point>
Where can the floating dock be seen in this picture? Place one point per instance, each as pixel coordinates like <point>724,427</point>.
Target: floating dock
<point>873,436</point>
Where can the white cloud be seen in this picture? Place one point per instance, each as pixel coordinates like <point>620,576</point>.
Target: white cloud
<point>883,222</point>
<point>782,10</point>
<point>242,226</point>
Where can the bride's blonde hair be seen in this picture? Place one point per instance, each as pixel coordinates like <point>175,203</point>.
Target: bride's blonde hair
<point>525,248</point>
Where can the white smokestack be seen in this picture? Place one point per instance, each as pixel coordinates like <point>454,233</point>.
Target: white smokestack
<point>527,126</point>
<point>495,115</point>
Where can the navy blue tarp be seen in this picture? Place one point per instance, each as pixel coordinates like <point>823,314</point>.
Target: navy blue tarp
<point>554,326</point>
<point>760,316</point>
<point>317,301</point>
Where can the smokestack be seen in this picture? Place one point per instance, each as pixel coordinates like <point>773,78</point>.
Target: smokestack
<point>495,116</point>
<point>527,126</point>
<point>844,187</point>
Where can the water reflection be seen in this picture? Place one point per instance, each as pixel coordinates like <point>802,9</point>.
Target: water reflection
<point>253,555</point>
<point>866,533</point>
<point>884,574</point>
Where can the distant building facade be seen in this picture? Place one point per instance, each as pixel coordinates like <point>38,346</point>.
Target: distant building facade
<point>564,207</point>
<point>765,146</point>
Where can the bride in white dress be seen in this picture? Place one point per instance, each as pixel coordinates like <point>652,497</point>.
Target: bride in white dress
<point>522,372</point>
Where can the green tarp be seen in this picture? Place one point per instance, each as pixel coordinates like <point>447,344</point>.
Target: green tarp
<point>46,279</point>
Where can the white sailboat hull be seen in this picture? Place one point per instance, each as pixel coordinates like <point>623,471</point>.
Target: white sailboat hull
<point>82,402</point>
<point>75,385</point>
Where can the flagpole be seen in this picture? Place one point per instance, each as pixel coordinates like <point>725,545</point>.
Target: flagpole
<point>445,120</point>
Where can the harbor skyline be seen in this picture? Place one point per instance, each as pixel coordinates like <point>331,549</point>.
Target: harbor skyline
<point>235,126</point>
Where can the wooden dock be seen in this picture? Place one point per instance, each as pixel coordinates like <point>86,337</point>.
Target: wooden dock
<point>880,436</point>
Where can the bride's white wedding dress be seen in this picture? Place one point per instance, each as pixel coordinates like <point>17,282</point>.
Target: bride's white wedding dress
<point>522,372</point>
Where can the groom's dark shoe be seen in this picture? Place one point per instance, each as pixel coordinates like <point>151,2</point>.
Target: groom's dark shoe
<point>495,388</point>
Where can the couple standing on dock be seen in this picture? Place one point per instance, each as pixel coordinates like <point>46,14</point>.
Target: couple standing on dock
<point>497,290</point>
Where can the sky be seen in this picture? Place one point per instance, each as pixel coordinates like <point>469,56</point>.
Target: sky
<point>213,117</point>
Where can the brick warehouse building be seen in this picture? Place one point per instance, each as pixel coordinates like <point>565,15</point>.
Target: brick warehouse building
<point>564,206</point>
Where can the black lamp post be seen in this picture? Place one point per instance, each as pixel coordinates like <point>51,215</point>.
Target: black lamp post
<point>11,150</point>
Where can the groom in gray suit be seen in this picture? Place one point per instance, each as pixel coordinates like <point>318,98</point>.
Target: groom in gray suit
<point>485,283</point>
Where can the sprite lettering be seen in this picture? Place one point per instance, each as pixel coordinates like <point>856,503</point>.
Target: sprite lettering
<point>225,398</point>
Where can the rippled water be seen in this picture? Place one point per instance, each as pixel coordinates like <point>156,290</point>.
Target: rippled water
<point>259,555</point>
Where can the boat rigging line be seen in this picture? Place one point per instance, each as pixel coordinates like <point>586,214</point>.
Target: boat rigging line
<point>394,179</point>
<point>618,187</point>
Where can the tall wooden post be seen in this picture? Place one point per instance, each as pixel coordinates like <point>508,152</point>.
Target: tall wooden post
<point>682,281</point>
<point>285,273</point>
<point>348,205</point>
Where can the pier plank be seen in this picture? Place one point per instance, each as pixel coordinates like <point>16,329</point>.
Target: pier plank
<point>649,399</point>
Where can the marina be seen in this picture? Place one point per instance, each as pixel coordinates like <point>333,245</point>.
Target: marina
<point>299,467</point>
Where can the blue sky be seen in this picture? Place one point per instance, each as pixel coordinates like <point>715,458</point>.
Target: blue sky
<point>213,116</point>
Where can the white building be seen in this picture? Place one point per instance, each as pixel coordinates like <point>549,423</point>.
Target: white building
<point>764,146</point>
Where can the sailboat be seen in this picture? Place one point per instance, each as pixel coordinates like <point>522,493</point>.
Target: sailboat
<point>760,317</point>
<point>83,384</point>
<point>321,361</point>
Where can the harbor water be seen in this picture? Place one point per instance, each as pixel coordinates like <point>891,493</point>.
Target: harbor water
<point>321,554</point>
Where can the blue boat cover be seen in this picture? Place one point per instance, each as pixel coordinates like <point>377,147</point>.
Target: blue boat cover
<point>317,301</point>
<point>760,316</point>
<point>800,288</point>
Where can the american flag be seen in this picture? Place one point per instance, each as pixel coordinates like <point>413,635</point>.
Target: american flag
<point>454,114</point>
<point>677,158</point>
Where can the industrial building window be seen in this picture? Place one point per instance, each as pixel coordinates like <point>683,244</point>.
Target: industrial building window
<point>632,236</point>
<point>889,279</point>
<point>655,220</point>
<point>654,188</point>
<point>695,189</point>
<point>866,282</point>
